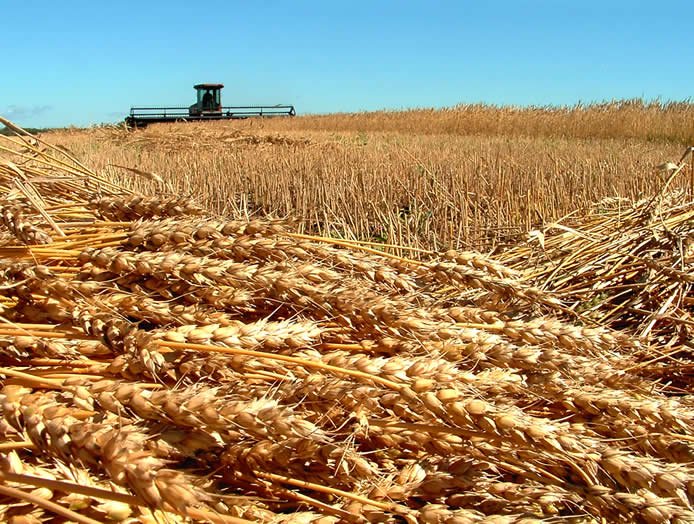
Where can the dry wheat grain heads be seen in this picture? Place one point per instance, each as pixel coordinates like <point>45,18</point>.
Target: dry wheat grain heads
<point>158,363</point>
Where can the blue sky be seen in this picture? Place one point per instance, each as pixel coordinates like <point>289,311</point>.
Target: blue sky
<point>85,62</point>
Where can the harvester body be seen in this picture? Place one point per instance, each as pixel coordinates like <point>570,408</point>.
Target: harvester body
<point>208,106</point>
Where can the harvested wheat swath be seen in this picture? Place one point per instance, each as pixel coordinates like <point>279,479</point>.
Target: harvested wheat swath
<point>630,266</point>
<point>159,364</point>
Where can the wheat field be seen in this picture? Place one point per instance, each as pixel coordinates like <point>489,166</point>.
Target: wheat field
<point>472,178</point>
<point>326,319</point>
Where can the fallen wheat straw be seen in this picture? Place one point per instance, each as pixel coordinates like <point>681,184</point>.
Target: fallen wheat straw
<point>160,363</point>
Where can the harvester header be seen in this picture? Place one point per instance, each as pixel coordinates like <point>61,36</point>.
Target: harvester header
<point>208,106</point>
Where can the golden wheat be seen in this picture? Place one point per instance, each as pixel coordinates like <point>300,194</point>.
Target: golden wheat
<point>467,178</point>
<point>160,363</point>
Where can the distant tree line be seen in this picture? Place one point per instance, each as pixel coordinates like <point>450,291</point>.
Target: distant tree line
<point>30,130</point>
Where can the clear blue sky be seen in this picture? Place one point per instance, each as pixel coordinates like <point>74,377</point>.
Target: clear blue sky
<point>85,62</point>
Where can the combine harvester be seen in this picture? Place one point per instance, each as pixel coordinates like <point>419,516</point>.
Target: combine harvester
<point>208,107</point>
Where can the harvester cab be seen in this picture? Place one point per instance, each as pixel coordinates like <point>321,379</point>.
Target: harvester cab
<point>209,100</point>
